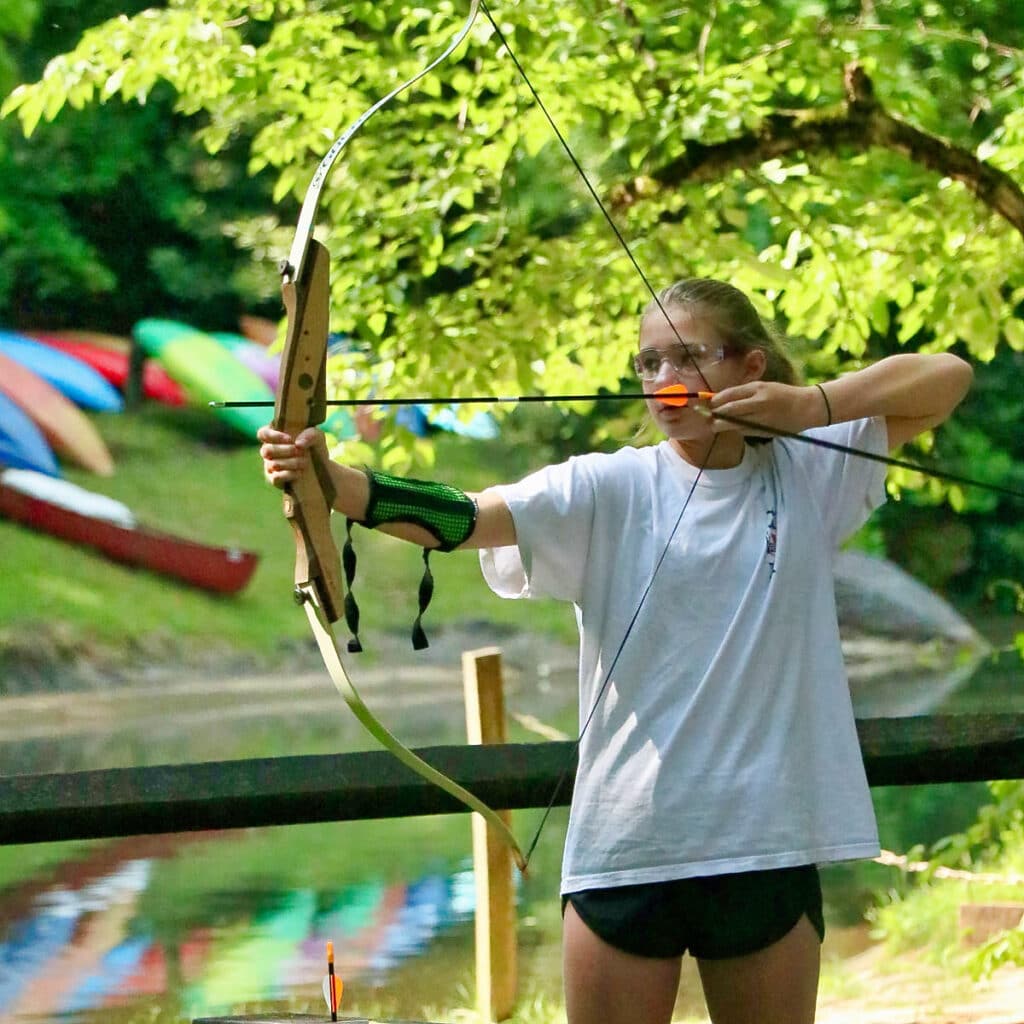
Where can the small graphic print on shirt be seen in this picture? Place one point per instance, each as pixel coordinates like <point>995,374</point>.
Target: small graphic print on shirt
<point>771,539</point>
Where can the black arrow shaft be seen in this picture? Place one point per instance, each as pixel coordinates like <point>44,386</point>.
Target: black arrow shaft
<point>755,428</point>
<point>478,400</point>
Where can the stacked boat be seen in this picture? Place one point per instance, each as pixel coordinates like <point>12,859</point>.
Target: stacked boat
<point>51,386</point>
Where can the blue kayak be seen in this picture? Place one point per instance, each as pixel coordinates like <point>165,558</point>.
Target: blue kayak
<point>70,376</point>
<point>22,446</point>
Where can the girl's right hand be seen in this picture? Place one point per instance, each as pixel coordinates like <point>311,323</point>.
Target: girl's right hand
<point>286,458</point>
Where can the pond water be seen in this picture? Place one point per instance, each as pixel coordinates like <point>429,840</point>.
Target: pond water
<point>202,924</point>
<point>179,926</point>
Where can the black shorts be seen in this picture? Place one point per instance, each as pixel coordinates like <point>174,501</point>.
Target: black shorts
<point>711,917</point>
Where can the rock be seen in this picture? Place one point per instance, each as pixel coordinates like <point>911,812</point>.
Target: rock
<point>906,649</point>
<point>876,597</point>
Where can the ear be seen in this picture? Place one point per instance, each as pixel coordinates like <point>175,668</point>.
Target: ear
<point>755,362</point>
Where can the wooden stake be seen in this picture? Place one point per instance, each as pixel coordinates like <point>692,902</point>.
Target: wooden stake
<point>496,968</point>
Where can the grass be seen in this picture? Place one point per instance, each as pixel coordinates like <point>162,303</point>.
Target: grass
<point>180,473</point>
<point>924,919</point>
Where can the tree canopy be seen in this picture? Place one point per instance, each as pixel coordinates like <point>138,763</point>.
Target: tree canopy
<point>113,213</point>
<point>715,133</point>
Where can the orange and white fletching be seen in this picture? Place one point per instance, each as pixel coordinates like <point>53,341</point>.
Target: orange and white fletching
<point>677,395</point>
<point>333,986</point>
<point>339,987</point>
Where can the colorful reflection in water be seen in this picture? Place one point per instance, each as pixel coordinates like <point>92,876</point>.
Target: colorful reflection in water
<point>84,941</point>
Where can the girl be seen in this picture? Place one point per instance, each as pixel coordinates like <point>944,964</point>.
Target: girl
<point>718,761</point>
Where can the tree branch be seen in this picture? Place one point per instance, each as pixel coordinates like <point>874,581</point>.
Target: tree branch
<point>859,123</point>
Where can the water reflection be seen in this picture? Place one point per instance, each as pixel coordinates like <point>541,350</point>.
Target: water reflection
<point>174,721</point>
<point>229,919</point>
<point>67,732</point>
<point>119,939</point>
<point>71,944</point>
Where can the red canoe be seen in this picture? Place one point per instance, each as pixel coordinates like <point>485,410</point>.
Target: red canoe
<point>112,362</point>
<point>221,570</point>
<point>99,338</point>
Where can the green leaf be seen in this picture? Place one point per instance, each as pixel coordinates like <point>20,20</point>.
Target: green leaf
<point>1013,331</point>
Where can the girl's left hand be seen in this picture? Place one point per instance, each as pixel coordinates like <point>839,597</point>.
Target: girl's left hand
<point>286,458</point>
<point>770,405</point>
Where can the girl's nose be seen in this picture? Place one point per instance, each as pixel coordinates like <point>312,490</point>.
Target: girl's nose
<point>668,374</point>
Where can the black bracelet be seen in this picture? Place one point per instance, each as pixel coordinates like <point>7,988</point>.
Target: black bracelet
<point>828,407</point>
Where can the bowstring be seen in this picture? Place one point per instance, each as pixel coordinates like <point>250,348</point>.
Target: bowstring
<point>700,472</point>
<point>885,460</point>
<point>590,188</point>
<point>615,658</point>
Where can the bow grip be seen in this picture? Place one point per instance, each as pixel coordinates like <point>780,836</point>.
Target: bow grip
<point>307,506</point>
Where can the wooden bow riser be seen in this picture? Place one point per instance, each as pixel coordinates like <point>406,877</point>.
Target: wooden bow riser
<point>301,403</point>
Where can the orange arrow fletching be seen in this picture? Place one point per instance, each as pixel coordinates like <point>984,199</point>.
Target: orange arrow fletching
<point>676,395</point>
<point>333,986</point>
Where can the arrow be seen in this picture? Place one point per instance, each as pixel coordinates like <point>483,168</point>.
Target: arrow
<point>333,985</point>
<point>679,396</point>
<point>674,395</point>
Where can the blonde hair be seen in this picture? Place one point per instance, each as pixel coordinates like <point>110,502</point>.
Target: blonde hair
<point>735,320</point>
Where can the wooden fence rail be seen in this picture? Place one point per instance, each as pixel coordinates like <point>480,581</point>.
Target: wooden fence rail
<point>342,787</point>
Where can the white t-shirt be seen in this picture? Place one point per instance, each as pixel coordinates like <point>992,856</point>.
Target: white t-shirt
<point>724,739</point>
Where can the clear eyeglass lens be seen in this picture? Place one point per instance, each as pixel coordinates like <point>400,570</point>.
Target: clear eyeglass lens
<point>647,361</point>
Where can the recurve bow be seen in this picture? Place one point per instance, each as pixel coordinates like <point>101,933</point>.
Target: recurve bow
<point>300,402</point>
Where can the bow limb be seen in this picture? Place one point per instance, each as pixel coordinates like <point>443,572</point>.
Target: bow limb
<point>307,215</point>
<point>300,402</point>
<point>328,645</point>
<point>308,504</point>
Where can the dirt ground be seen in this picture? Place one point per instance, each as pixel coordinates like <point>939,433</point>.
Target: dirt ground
<point>871,989</point>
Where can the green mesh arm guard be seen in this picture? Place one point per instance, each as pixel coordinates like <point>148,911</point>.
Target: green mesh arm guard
<point>446,513</point>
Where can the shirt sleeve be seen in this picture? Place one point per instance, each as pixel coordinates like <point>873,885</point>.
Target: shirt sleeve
<point>848,488</point>
<point>553,512</point>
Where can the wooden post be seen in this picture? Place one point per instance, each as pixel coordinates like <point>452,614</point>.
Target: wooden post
<point>496,970</point>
